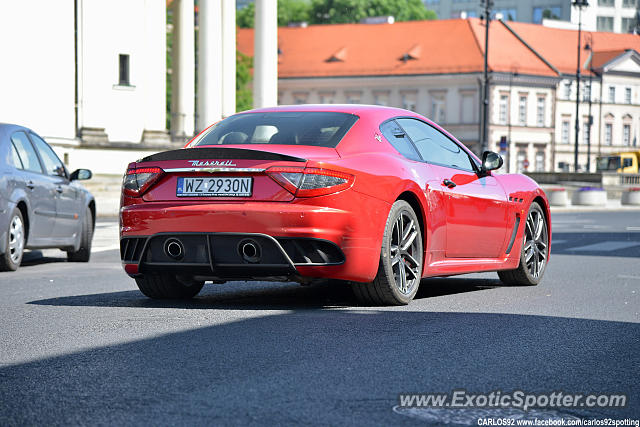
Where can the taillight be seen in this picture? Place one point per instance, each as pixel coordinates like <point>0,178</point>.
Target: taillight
<point>138,180</point>
<point>310,182</point>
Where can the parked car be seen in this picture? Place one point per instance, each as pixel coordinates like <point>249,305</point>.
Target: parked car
<point>375,196</point>
<point>41,204</point>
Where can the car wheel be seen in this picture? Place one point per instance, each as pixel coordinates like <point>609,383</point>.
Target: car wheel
<point>12,257</point>
<point>534,252</point>
<point>167,287</point>
<point>400,266</point>
<point>84,252</point>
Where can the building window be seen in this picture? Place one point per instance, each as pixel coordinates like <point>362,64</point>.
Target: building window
<point>520,158</point>
<point>626,135</point>
<point>326,97</point>
<point>381,98</point>
<point>467,108</point>
<point>409,100</point>
<point>586,92</point>
<point>627,95</point>
<point>604,23</point>
<point>541,111</point>
<point>564,136</point>
<point>354,97</point>
<point>585,132</point>
<point>504,102</point>
<point>507,14</point>
<point>123,70</point>
<point>551,12</point>
<point>608,131</point>
<point>612,94</point>
<point>438,109</point>
<point>540,161</point>
<point>629,3</point>
<point>567,90</point>
<point>522,110</point>
<point>300,98</point>
<point>606,3</point>
<point>628,24</point>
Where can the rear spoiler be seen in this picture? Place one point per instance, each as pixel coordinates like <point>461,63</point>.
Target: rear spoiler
<point>219,153</point>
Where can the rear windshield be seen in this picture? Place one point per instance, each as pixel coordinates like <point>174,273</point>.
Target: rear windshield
<point>320,129</point>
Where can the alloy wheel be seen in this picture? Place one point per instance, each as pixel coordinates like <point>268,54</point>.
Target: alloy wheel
<point>16,239</point>
<point>536,241</point>
<point>404,249</point>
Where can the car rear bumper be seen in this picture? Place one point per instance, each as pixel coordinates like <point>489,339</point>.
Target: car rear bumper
<point>337,243</point>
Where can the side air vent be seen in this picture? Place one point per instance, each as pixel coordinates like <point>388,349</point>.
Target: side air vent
<point>306,251</point>
<point>131,248</point>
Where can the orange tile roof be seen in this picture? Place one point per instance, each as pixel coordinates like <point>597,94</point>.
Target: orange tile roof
<point>430,47</point>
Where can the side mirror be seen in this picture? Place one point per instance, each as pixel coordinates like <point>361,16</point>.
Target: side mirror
<point>80,175</point>
<point>491,161</point>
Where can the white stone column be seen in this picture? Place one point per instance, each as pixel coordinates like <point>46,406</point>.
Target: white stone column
<point>209,63</point>
<point>183,67</point>
<point>228,57</point>
<point>265,77</point>
<point>155,65</point>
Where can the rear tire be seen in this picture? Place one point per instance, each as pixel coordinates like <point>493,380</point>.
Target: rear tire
<point>534,252</point>
<point>400,266</point>
<point>83,254</point>
<point>12,257</point>
<point>167,287</point>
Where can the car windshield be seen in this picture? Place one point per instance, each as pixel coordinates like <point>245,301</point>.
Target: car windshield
<point>320,129</point>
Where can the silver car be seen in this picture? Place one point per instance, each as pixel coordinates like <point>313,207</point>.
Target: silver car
<point>41,204</point>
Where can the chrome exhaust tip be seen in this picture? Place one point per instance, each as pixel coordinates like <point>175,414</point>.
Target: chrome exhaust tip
<point>174,248</point>
<point>250,251</point>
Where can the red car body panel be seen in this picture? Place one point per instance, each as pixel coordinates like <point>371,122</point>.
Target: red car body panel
<point>467,228</point>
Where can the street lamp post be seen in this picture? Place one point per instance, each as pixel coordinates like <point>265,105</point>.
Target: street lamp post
<point>589,47</point>
<point>514,74</point>
<point>579,4</point>
<point>484,143</point>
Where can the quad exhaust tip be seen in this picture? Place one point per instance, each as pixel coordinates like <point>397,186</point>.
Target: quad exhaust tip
<point>250,251</point>
<point>174,248</point>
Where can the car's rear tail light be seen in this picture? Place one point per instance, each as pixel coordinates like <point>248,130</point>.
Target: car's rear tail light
<point>138,180</point>
<point>310,182</point>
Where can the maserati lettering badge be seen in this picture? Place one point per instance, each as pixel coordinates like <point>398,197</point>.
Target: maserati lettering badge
<point>201,164</point>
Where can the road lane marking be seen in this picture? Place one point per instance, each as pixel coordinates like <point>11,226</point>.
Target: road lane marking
<point>558,242</point>
<point>626,276</point>
<point>633,228</point>
<point>105,248</point>
<point>607,246</point>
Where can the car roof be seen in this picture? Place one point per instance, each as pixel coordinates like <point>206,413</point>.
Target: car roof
<point>8,128</point>
<point>356,109</point>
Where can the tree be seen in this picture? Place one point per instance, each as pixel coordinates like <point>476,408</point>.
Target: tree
<point>350,11</point>
<point>288,11</point>
<point>244,96</point>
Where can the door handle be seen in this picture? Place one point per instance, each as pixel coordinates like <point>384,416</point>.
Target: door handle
<point>449,183</point>
<point>59,189</point>
<point>31,185</point>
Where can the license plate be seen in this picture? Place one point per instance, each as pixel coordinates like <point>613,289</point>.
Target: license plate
<point>214,187</point>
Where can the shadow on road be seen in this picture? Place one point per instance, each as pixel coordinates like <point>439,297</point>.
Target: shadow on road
<point>265,296</point>
<point>330,367</point>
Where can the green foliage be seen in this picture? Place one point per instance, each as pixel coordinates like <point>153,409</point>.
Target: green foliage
<point>339,11</point>
<point>288,11</point>
<point>350,11</point>
<point>244,96</point>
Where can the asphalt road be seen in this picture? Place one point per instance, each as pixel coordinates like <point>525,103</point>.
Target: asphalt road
<point>80,345</point>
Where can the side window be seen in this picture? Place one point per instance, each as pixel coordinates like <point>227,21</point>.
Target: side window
<point>434,146</point>
<point>398,138</point>
<point>26,152</point>
<point>15,157</point>
<point>52,164</point>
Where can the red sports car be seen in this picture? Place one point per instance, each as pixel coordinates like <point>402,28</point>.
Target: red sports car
<point>376,197</point>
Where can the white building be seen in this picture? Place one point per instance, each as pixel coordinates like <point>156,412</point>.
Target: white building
<point>619,16</point>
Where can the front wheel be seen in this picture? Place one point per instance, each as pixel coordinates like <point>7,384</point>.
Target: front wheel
<point>12,257</point>
<point>534,252</point>
<point>400,266</point>
<point>167,286</point>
